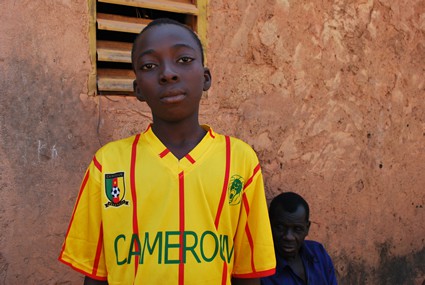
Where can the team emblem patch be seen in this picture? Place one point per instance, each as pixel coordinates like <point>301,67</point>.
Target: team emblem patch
<point>115,189</point>
<point>235,189</point>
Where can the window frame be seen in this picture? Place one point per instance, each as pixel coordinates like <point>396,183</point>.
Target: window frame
<point>198,10</point>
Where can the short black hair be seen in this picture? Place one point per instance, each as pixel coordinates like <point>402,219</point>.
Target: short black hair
<point>168,21</point>
<point>288,202</point>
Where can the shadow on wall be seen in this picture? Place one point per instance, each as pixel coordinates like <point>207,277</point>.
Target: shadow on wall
<point>392,270</point>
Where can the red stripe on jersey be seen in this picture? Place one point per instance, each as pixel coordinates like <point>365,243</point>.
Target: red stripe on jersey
<point>181,204</point>
<point>188,157</point>
<point>82,271</point>
<point>98,251</point>
<point>258,274</point>
<point>225,183</point>
<point>248,232</point>
<point>164,153</point>
<point>211,134</point>
<point>245,204</point>
<point>97,164</point>
<point>224,274</point>
<point>83,185</point>
<point>249,181</point>
<point>134,197</point>
<point>147,129</point>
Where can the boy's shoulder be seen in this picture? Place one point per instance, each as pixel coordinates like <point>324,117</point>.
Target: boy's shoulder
<point>238,145</point>
<point>117,145</point>
<point>233,139</point>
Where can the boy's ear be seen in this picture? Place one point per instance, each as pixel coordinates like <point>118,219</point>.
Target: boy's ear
<point>207,79</point>
<point>136,89</point>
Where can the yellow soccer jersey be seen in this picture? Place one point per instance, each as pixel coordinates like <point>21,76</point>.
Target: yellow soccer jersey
<point>144,217</point>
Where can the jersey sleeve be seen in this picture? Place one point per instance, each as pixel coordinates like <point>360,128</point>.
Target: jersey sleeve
<point>254,250</point>
<point>83,246</point>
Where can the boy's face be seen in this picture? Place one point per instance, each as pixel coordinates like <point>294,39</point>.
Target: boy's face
<point>170,75</point>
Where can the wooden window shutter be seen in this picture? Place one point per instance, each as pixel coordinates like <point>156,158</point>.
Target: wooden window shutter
<point>114,24</point>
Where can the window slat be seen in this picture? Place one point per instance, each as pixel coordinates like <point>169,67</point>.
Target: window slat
<point>120,80</point>
<point>120,23</point>
<point>163,5</point>
<point>113,51</point>
<point>113,28</point>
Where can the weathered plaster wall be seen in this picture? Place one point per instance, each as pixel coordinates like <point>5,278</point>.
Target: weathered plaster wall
<point>47,134</point>
<point>329,93</point>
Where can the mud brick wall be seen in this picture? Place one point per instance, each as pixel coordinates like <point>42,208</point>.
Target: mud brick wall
<point>331,95</point>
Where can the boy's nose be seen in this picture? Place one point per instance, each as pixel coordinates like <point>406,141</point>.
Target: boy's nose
<point>168,74</point>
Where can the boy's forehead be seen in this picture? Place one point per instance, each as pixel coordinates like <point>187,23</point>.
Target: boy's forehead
<point>165,35</point>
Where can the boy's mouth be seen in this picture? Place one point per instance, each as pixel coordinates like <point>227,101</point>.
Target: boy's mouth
<point>173,96</point>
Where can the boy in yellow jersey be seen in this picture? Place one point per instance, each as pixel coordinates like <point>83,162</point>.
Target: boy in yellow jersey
<point>178,203</point>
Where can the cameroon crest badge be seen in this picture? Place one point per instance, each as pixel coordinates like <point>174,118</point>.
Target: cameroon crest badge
<point>115,189</point>
<point>235,189</point>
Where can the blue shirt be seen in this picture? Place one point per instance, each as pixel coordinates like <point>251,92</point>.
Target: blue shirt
<point>318,267</point>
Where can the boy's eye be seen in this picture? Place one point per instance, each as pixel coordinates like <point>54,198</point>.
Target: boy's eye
<point>185,59</point>
<point>147,66</point>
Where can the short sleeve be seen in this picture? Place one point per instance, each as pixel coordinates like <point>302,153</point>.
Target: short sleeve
<point>254,250</point>
<point>83,245</point>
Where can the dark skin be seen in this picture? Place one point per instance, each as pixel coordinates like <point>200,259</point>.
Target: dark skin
<point>289,231</point>
<point>170,78</point>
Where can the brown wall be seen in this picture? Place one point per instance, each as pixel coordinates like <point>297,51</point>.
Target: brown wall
<point>331,94</point>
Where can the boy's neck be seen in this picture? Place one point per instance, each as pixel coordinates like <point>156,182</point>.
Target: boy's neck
<point>180,139</point>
